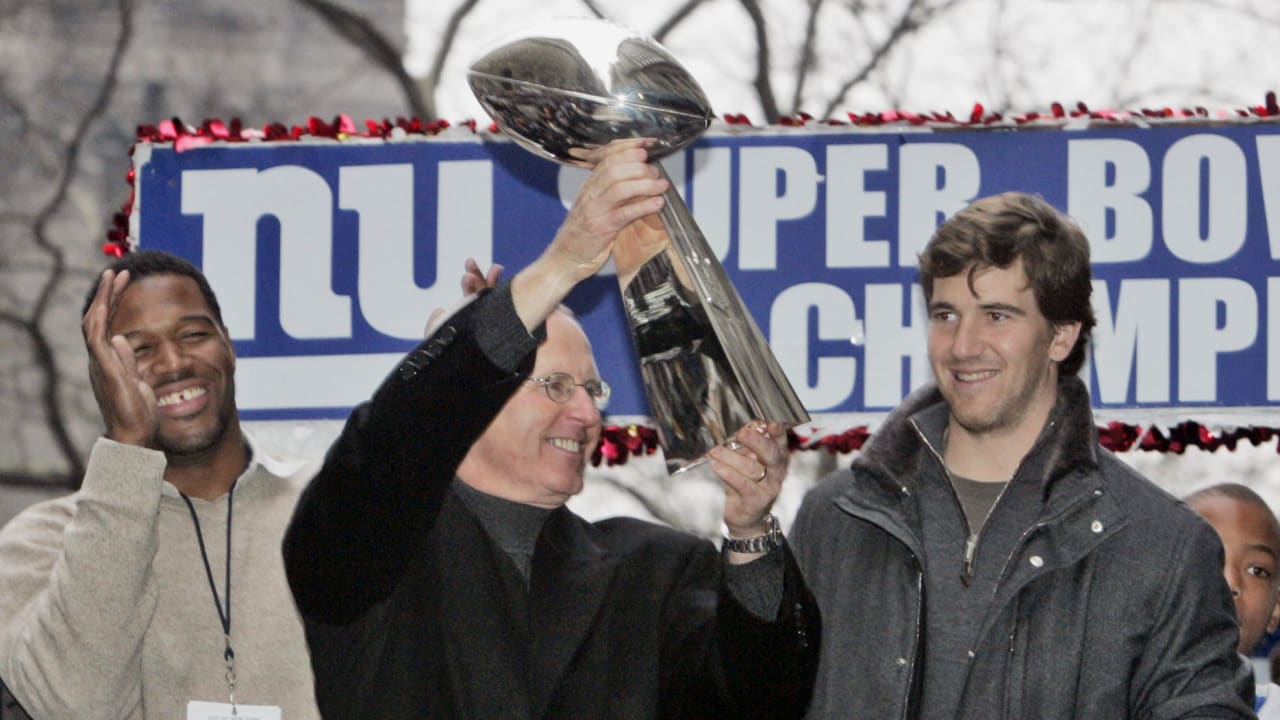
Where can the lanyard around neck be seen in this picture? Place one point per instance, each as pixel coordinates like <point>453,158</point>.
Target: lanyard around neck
<point>228,654</point>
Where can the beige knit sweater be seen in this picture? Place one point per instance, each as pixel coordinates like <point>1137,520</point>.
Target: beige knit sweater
<point>105,606</point>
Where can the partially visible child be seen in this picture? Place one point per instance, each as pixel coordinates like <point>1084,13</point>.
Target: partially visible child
<point>1251,540</point>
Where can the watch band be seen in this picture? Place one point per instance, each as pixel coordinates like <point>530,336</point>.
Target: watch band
<point>771,539</point>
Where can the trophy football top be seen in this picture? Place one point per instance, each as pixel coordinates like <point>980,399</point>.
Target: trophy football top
<point>577,83</point>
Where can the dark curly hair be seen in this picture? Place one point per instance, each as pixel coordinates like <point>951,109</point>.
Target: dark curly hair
<point>999,230</point>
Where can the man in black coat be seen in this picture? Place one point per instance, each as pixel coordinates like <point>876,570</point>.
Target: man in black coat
<point>441,576</point>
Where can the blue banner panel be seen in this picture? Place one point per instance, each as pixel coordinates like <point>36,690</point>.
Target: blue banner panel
<point>328,256</point>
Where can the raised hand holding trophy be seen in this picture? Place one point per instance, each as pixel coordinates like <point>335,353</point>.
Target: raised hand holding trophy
<point>576,84</point>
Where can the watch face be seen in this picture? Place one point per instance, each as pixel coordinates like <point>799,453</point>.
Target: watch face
<point>774,532</point>
<point>771,539</point>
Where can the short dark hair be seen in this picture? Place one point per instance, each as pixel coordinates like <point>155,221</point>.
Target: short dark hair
<point>999,230</point>
<point>141,263</point>
<point>1239,493</point>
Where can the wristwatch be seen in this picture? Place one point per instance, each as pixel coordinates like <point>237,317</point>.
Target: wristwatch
<point>772,538</point>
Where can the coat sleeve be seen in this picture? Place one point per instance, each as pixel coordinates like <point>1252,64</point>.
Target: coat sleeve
<point>771,663</point>
<point>77,592</point>
<point>1190,667</point>
<point>720,660</point>
<point>362,518</point>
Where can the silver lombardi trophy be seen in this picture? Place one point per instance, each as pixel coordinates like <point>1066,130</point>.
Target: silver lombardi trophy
<point>577,84</point>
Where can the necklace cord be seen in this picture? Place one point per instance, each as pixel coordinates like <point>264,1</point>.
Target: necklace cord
<point>228,654</point>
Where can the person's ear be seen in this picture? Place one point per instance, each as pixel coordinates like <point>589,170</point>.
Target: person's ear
<point>1064,339</point>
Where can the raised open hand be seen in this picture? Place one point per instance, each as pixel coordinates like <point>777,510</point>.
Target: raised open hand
<point>623,187</point>
<point>473,281</point>
<point>126,401</point>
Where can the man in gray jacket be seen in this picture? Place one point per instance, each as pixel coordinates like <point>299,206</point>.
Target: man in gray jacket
<point>984,557</point>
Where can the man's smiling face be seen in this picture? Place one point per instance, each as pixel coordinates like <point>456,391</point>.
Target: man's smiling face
<point>992,351</point>
<point>184,355</point>
<point>536,449</point>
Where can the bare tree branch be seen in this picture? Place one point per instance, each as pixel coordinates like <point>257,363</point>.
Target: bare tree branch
<point>46,361</point>
<point>916,14</point>
<point>1249,13</point>
<point>999,101</point>
<point>13,108</point>
<point>1132,100</point>
<point>447,37</point>
<point>594,10</point>
<point>1132,51</point>
<point>902,28</point>
<point>362,33</point>
<point>762,84</point>
<point>32,325</point>
<point>805,62</point>
<point>677,17</point>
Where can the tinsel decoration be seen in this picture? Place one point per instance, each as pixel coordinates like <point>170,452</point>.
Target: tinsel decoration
<point>620,442</point>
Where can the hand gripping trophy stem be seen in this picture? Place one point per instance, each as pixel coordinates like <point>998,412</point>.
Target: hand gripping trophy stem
<point>576,84</point>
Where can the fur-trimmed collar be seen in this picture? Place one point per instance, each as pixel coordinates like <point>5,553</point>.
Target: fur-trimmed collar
<point>1068,442</point>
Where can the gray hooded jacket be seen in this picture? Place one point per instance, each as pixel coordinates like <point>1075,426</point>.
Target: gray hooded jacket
<point>1097,596</point>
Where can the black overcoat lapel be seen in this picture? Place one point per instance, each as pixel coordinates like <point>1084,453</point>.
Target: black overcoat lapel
<point>571,576</point>
<point>486,637</point>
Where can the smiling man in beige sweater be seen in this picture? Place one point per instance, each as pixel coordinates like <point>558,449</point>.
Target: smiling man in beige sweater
<point>157,590</point>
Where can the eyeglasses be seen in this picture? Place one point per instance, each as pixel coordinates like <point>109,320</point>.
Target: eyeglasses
<point>559,387</point>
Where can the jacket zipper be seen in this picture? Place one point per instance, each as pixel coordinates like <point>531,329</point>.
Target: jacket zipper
<point>971,537</point>
<point>971,542</point>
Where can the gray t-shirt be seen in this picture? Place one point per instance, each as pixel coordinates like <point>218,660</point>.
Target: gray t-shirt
<point>976,499</point>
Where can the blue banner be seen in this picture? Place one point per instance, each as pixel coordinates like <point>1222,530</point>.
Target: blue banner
<point>328,256</point>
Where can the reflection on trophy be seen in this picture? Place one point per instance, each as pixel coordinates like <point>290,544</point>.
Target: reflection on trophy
<point>576,84</point>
